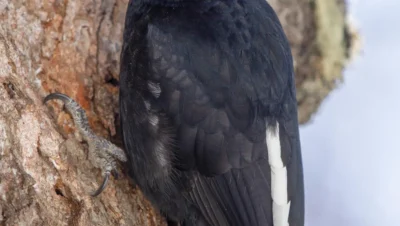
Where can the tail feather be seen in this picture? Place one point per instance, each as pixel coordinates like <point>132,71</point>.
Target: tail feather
<point>236,198</point>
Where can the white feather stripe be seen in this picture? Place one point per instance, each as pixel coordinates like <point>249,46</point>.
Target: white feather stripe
<point>274,147</point>
<point>280,214</point>
<point>279,185</point>
<point>280,204</point>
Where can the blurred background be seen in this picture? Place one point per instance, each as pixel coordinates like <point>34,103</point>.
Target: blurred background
<point>347,63</point>
<point>351,146</point>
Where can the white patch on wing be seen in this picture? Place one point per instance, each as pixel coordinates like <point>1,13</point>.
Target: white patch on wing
<point>280,204</point>
<point>155,89</point>
<point>153,119</point>
<point>147,104</point>
<point>162,155</point>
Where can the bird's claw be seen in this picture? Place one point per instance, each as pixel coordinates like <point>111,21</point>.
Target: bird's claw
<point>102,152</point>
<point>102,186</point>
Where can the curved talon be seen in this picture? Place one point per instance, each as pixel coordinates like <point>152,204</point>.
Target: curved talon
<point>102,186</point>
<point>57,96</point>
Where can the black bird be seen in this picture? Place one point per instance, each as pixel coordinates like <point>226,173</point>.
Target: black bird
<point>209,113</point>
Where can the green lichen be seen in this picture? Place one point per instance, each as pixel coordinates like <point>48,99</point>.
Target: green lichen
<point>331,40</point>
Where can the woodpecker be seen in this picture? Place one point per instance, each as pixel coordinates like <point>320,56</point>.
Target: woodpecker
<point>209,113</point>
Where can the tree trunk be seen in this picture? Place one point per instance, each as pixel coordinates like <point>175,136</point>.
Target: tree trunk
<point>72,47</point>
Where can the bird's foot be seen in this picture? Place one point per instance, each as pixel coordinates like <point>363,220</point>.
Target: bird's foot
<point>102,153</point>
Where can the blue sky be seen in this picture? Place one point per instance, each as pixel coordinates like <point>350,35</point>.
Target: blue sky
<point>351,150</point>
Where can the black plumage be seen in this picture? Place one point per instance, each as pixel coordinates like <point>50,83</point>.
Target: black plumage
<point>201,81</point>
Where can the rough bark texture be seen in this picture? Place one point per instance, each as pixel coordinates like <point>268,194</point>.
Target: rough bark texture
<point>322,44</point>
<point>72,46</point>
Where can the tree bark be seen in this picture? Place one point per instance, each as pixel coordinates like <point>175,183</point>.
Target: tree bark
<point>72,47</point>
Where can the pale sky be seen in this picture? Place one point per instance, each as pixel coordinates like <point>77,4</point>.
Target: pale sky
<point>351,150</point>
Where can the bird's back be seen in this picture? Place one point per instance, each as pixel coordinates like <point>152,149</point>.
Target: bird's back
<point>208,106</point>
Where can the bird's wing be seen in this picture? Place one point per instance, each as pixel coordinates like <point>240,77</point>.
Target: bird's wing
<point>221,91</point>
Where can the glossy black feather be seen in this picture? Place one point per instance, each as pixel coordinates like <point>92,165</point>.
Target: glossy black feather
<point>224,71</point>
